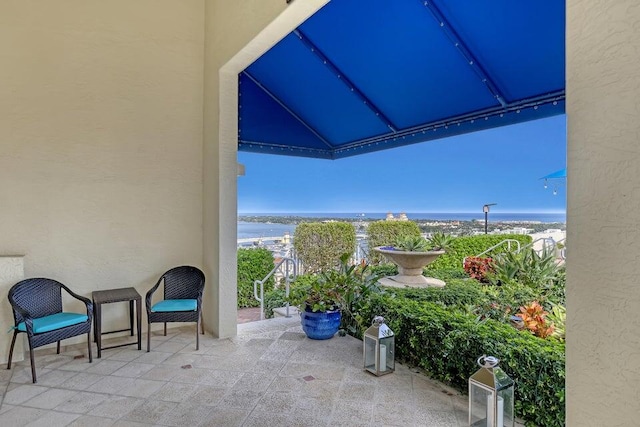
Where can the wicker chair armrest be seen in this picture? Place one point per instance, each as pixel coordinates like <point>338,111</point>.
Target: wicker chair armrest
<point>149,295</point>
<point>87,302</point>
<point>26,317</point>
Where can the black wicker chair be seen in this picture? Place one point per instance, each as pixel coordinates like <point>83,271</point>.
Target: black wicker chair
<point>183,288</point>
<point>37,311</point>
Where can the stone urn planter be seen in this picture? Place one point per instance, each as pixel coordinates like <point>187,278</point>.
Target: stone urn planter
<point>410,265</point>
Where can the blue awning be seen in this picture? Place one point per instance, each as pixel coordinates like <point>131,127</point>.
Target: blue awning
<point>361,76</point>
<point>562,173</point>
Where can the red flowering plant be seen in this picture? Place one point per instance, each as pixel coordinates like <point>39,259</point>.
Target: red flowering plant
<point>478,267</point>
<point>535,320</point>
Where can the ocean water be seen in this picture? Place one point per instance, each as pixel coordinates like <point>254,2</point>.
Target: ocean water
<point>250,230</point>
<point>462,216</point>
<point>263,229</point>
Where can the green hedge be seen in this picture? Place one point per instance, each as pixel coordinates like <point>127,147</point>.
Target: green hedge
<point>319,245</point>
<point>384,233</point>
<point>253,264</point>
<point>465,246</point>
<point>446,343</point>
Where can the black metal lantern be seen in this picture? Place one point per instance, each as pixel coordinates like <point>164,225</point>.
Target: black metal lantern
<point>379,348</point>
<point>490,395</point>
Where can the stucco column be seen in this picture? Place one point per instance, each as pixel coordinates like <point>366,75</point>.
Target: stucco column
<point>236,34</point>
<point>603,244</point>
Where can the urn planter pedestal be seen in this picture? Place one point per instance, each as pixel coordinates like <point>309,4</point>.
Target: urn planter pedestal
<point>410,265</point>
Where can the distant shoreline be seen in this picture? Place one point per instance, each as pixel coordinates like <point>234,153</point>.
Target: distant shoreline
<point>294,217</point>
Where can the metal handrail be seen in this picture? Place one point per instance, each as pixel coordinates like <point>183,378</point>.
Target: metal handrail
<point>507,241</point>
<point>287,280</point>
<point>546,246</point>
<point>521,248</point>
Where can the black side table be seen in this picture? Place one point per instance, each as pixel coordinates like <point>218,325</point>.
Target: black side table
<point>116,295</point>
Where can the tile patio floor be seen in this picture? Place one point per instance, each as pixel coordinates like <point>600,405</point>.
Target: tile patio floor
<point>269,375</point>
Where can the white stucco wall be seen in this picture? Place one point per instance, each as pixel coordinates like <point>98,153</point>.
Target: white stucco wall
<point>11,271</point>
<point>603,266</point>
<point>101,140</point>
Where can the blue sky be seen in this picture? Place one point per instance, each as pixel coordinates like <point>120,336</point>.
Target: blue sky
<point>457,174</point>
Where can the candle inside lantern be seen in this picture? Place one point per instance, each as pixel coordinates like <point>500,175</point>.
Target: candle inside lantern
<point>383,358</point>
<point>499,411</point>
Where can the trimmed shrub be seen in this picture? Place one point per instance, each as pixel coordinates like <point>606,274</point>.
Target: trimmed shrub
<point>385,233</point>
<point>446,343</point>
<point>253,264</point>
<point>466,246</point>
<point>273,299</point>
<point>319,245</point>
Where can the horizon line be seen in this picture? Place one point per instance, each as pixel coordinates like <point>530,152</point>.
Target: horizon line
<point>561,212</point>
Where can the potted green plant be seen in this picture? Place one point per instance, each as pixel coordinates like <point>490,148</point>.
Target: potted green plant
<point>322,301</point>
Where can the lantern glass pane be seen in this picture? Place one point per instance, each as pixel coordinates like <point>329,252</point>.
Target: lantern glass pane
<point>370,354</point>
<point>387,354</point>
<point>480,406</point>
<point>506,395</point>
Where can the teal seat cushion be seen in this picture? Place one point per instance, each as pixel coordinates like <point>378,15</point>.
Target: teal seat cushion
<point>175,305</point>
<point>53,322</point>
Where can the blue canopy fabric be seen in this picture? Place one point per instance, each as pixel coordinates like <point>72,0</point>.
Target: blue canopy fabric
<point>365,75</point>
<point>562,173</point>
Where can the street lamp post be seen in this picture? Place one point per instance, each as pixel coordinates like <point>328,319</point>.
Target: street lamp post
<point>485,209</point>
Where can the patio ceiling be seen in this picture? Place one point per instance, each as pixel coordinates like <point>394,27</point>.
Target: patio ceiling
<point>367,75</point>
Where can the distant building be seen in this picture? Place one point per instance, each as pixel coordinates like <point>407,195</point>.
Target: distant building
<point>401,217</point>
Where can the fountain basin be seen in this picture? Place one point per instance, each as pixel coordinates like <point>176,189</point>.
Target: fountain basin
<point>410,265</point>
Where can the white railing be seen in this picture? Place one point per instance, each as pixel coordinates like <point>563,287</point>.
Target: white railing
<point>508,243</point>
<point>549,244</point>
<point>289,273</point>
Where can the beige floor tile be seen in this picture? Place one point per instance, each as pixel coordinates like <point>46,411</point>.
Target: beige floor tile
<point>356,391</point>
<point>208,362</point>
<point>91,421</point>
<point>225,417</point>
<point>78,365</point>
<point>55,377</point>
<point>82,402</point>
<point>23,393</point>
<point>127,355</point>
<point>115,407</point>
<point>50,398</point>
<point>256,381</point>
<point>150,411</point>
<point>240,399</point>
<point>179,360</point>
<point>21,416</point>
<point>207,395</point>
<point>81,381</point>
<point>173,392</point>
<point>133,370</point>
<point>161,373</point>
<point>352,413</point>
<point>186,414</point>
<point>141,388</point>
<point>169,346</point>
<point>261,418</point>
<point>153,357</point>
<point>270,374</point>
<point>111,385</point>
<point>54,419</point>
<point>105,366</point>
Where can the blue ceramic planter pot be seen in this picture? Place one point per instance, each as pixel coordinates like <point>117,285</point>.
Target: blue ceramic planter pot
<point>320,325</point>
